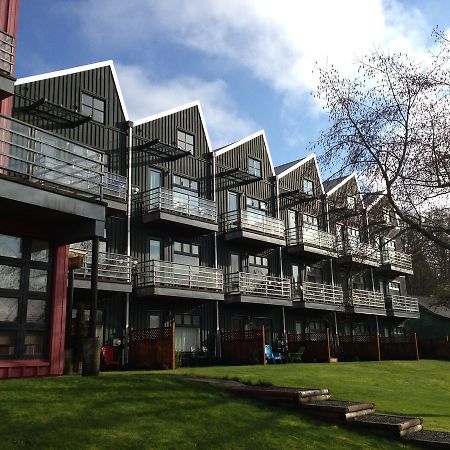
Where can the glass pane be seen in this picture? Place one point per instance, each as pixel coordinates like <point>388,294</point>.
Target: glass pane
<point>195,249</point>
<point>154,320</point>
<point>39,251</point>
<point>36,311</point>
<point>189,139</point>
<point>235,262</point>
<point>196,321</point>
<point>177,246</point>
<point>187,319</point>
<point>97,115</point>
<point>8,309</point>
<point>233,201</point>
<point>99,104</point>
<point>155,249</point>
<point>86,99</point>
<point>9,277</point>
<point>34,344</point>
<point>38,280</point>
<point>178,319</point>
<point>10,246</point>
<point>7,343</point>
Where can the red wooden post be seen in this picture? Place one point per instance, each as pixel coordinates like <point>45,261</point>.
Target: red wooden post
<point>377,340</point>
<point>417,347</point>
<point>328,345</point>
<point>172,344</point>
<point>263,339</point>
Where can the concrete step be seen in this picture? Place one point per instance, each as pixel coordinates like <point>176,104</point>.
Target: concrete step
<point>339,409</point>
<point>394,425</point>
<point>436,439</point>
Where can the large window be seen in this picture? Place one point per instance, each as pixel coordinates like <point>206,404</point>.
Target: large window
<point>254,167</point>
<point>24,296</point>
<point>185,141</point>
<point>351,202</point>
<point>258,265</point>
<point>186,253</point>
<point>187,337</point>
<point>94,107</point>
<point>155,249</point>
<point>256,206</point>
<point>308,187</point>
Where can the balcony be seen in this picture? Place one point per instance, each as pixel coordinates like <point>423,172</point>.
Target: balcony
<point>310,241</point>
<point>169,279</point>
<point>249,227</point>
<point>113,269</point>
<point>115,191</point>
<point>175,209</point>
<point>401,306</point>
<point>396,262</point>
<point>7,49</point>
<point>368,302</point>
<point>55,183</point>
<point>243,287</point>
<point>318,296</point>
<point>352,250</point>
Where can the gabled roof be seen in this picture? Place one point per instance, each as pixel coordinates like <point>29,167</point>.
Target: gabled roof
<point>434,306</point>
<point>287,168</point>
<point>372,199</point>
<point>175,110</point>
<point>64,72</point>
<point>335,184</point>
<point>227,148</point>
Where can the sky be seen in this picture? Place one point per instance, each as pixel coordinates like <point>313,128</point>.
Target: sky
<point>251,63</point>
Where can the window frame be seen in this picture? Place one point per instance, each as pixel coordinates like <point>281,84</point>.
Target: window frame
<point>185,145</point>
<point>310,193</point>
<point>253,169</point>
<point>93,97</point>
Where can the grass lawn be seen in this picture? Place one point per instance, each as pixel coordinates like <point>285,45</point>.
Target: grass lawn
<point>142,410</point>
<point>418,388</point>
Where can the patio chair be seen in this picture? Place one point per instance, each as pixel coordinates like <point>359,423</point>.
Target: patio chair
<point>273,357</point>
<point>109,358</point>
<point>297,356</point>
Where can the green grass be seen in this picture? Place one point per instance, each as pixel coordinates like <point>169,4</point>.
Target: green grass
<point>141,410</point>
<point>418,388</point>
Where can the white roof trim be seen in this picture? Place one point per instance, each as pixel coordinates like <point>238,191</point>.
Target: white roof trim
<point>344,181</point>
<point>300,163</point>
<point>380,196</point>
<point>175,110</point>
<point>61,73</point>
<point>247,139</point>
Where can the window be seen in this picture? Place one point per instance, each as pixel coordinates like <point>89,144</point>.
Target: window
<point>187,337</point>
<point>394,288</point>
<point>155,178</point>
<point>351,202</point>
<point>185,184</point>
<point>186,253</point>
<point>308,187</point>
<point>155,249</point>
<point>254,167</point>
<point>313,274</point>
<point>310,221</point>
<point>258,265</point>
<point>93,107</point>
<point>24,296</point>
<point>233,201</point>
<point>256,206</point>
<point>185,141</point>
<point>185,196</point>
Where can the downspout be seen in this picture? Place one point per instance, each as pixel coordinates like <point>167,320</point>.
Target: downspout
<point>129,193</point>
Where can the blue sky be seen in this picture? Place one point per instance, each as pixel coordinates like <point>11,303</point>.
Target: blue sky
<point>249,62</point>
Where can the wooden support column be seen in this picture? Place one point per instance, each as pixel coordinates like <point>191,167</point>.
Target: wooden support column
<point>70,291</point>
<point>328,345</point>
<point>94,288</point>
<point>377,340</point>
<point>417,346</point>
<point>263,340</point>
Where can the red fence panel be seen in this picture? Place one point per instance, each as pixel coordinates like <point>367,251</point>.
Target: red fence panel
<point>359,347</point>
<point>314,346</point>
<point>399,347</point>
<point>243,347</point>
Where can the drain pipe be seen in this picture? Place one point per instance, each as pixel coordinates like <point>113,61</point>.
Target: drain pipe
<point>129,125</point>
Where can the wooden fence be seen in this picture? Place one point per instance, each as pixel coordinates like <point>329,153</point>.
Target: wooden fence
<point>243,347</point>
<point>314,346</point>
<point>152,348</point>
<point>399,347</point>
<point>435,348</point>
<point>359,347</point>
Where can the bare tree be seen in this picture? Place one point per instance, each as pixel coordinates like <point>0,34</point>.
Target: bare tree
<point>391,124</point>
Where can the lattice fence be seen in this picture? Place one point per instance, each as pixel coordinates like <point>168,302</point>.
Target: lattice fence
<point>359,347</point>
<point>399,347</point>
<point>243,347</point>
<point>152,348</point>
<point>314,346</point>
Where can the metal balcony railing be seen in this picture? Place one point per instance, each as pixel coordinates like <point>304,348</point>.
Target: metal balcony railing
<point>401,303</point>
<point>7,47</point>
<point>254,222</point>
<point>318,293</point>
<point>368,299</point>
<point>163,199</point>
<point>175,275</point>
<point>115,186</point>
<point>396,259</point>
<point>308,235</point>
<point>111,266</point>
<point>352,246</point>
<point>255,284</point>
<point>32,154</point>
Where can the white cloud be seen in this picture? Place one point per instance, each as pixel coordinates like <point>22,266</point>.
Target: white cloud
<point>146,96</point>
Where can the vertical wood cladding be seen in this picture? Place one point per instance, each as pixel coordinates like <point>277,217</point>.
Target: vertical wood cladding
<point>196,167</point>
<point>66,91</point>
<point>263,189</point>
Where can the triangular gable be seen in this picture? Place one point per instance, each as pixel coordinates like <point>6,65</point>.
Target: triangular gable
<point>344,182</point>
<point>299,164</point>
<point>196,103</point>
<point>64,72</point>
<point>227,148</point>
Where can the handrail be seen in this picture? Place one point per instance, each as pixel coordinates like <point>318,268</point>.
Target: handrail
<point>403,303</point>
<point>248,220</point>
<point>115,185</point>
<point>351,245</point>
<point>318,293</point>
<point>170,274</point>
<point>259,285</point>
<point>311,236</point>
<point>112,266</point>
<point>7,48</point>
<point>27,152</point>
<point>396,259</point>
<point>185,204</point>
<point>369,299</point>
